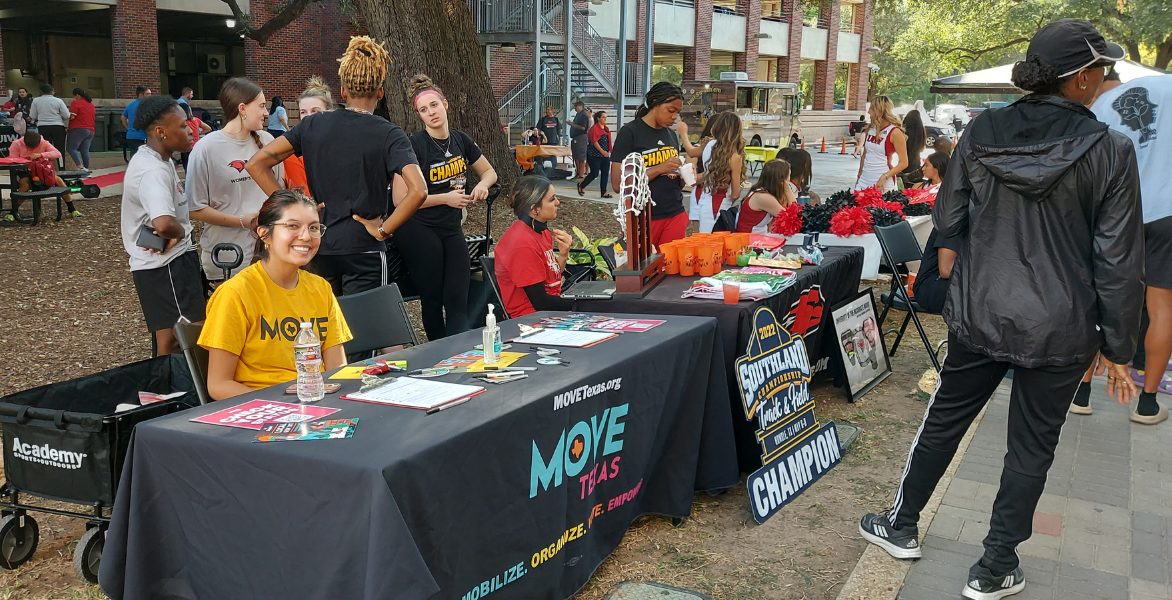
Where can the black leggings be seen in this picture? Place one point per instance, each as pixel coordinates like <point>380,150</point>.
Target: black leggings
<point>598,165</point>
<point>440,268</point>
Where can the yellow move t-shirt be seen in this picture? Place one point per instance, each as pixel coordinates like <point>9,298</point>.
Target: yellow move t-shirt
<point>257,320</point>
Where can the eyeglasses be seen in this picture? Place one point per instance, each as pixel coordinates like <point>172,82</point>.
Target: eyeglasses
<point>315,229</point>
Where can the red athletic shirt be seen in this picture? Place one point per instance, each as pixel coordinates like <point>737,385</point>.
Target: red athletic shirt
<point>83,114</point>
<point>523,258</point>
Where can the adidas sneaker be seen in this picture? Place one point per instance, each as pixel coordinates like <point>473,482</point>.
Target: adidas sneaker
<point>899,543</point>
<point>983,585</point>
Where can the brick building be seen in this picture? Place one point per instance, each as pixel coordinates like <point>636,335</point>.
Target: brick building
<point>110,46</point>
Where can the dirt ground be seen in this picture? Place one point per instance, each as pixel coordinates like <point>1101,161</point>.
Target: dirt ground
<point>69,290</point>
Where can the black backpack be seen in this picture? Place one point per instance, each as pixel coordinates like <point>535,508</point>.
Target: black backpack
<point>726,220</point>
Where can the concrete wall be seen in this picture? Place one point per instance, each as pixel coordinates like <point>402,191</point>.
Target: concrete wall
<point>728,33</point>
<point>814,43</point>
<point>848,47</point>
<point>778,42</point>
<point>675,25</point>
<point>606,19</point>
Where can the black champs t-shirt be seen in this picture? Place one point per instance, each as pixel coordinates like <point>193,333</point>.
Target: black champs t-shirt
<point>656,146</point>
<point>439,170</point>
<point>350,160</point>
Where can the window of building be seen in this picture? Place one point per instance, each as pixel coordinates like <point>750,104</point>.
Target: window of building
<point>771,10</point>
<point>810,16</point>
<point>724,7</point>
<point>846,19</point>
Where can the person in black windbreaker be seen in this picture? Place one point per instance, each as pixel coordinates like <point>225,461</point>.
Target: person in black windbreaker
<point>1050,272</point>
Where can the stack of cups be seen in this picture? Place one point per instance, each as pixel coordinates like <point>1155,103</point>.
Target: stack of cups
<point>671,259</point>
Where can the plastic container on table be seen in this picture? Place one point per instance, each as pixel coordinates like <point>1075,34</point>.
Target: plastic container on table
<point>717,250</point>
<point>704,260</point>
<point>687,257</point>
<point>732,292</point>
<point>671,258</point>
<point>72,443</point>
<point>732,247</point>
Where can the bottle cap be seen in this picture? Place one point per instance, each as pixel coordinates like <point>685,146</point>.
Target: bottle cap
<point>305,324</point>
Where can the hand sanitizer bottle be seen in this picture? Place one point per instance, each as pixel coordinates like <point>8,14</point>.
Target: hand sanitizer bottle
<point>491,338</point>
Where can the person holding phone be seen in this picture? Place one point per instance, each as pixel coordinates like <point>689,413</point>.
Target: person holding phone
<point>156,228</point>
<point>432,240</point>
<point>651,135</point>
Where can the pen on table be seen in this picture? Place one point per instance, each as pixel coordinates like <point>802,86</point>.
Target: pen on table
<point>432,411</point>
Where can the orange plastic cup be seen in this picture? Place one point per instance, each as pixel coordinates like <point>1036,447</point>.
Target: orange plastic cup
<point>732,247</point>
<point>687,259</point>
<point>704,260</point>
<point>671,258</point>
<point>732,293</point>
<point>717,249</point>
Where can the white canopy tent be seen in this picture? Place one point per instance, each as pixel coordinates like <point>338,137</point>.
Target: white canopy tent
<point>997,80</point>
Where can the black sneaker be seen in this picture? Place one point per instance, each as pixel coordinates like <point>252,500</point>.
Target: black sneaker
<point>899,543</point>
<point>983,585</point>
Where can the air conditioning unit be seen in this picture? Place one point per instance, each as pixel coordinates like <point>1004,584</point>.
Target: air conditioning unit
<point>217,64</point>
<point>734,76</point>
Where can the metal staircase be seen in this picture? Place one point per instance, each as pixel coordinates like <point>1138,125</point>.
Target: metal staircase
<point>594,67</point>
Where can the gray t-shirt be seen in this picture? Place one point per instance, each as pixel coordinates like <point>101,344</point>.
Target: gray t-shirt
<point>49,110</point>
<point>216,178</point>
<point>150,189</point>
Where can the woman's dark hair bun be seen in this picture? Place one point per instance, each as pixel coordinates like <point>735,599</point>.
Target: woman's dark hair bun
<point>1037,76</point>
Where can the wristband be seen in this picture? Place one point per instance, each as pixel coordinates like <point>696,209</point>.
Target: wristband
<point>241,219</point>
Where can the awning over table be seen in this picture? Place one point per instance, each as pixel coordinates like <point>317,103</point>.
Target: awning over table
<point>997,80</point>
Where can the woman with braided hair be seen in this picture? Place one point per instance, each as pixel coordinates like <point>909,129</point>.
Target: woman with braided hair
<point>351,158</point>
<point>651,136</point>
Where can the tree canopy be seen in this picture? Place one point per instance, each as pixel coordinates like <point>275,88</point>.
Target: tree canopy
<point>925,39</point>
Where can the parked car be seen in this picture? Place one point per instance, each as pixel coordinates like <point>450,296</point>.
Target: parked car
<point>936,130</point>
<point>951,113</point>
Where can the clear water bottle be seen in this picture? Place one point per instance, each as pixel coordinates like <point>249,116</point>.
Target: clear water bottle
<point>307,355</point>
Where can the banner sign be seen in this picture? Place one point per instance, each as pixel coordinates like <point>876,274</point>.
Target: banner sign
<point>774,382</point>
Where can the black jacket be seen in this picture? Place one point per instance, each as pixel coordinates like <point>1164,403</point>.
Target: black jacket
<point>1051,270</point>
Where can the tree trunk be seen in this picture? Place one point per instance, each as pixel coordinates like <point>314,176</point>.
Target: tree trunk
<point>1164,55</point>
<point>438,38</point>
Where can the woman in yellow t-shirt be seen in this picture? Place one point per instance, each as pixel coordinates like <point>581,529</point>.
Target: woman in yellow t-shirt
<point>253,318</point>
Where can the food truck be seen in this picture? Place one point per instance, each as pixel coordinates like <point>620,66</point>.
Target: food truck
<point>768,109</point>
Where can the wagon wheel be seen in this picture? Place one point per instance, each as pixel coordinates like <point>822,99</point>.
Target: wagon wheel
<point>87,557</point>
<point>19,535</point>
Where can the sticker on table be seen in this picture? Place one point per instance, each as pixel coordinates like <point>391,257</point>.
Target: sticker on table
<point>255,413</point>
<point>774,382</point>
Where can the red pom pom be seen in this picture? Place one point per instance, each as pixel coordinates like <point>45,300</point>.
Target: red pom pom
<point>868,197</point>
<point>789,221</point>
<point>854,220</point>
<point>892,206</point>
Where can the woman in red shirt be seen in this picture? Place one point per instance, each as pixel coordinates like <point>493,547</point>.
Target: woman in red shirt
<point>81,128</point>
<point>597,154</point>
<point>527,270</point>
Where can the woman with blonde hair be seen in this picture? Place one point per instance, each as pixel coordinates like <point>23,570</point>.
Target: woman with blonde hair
<point>351,157</point>
<point>885,151</point>
<point>316,98</point>
<point>432,240</point>
<point>723,159</point>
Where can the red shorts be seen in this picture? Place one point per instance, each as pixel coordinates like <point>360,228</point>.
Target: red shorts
<point>669,229</point>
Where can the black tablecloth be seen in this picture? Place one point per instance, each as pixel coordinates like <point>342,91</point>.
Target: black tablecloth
<point>422,506</point>
<point>800,308</point>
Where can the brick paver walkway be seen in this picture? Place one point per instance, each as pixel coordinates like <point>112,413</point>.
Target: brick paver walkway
<point>1103,528</point>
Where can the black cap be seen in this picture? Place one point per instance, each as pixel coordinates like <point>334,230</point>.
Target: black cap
<point>1070,45</point>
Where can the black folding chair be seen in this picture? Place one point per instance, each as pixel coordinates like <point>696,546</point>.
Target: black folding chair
<point>197,357</point>
<point>488,264</point>
<point>900,247</point>
<point>377,319</point>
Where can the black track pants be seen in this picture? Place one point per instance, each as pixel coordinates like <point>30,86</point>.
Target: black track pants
<point>440,268</point>
<point>1037,411</point>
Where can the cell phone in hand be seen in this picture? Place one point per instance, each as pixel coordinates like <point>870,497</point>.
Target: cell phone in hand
<point>147,238</point>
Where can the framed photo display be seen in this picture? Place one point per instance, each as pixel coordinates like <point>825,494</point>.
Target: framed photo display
<point>859,337</point>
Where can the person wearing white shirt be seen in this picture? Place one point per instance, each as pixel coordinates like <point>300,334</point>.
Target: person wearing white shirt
<point>52,116</point>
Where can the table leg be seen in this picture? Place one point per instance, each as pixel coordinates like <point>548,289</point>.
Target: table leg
<point>59,213</point>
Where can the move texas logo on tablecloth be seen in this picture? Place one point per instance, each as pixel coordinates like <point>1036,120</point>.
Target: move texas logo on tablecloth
<point>796,450</point>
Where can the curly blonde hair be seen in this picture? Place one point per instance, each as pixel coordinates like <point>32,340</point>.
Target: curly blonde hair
<point>364,67</point>
<point>730,140</point>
